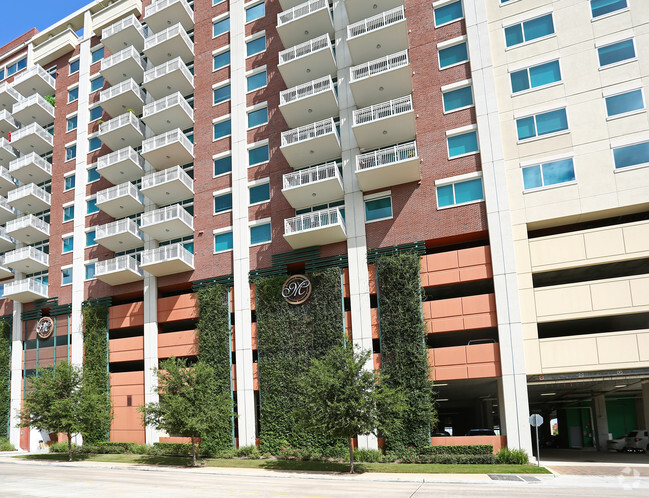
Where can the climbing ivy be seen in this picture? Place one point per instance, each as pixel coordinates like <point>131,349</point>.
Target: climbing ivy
<point>289,338</point>
<point>214,338</point>
<point>5,376</point>
<point>403,353</point>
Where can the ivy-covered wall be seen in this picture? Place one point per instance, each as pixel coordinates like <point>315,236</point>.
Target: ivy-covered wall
<point>214,338</point>
<point>5,376</point>
<point>403,352</point>
<point>289,337</point>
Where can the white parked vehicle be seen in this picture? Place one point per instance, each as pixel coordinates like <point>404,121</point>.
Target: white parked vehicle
<point>637,440</point>
<point>617,444</point>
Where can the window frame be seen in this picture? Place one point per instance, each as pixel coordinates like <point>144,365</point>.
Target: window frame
<point>462,40</point>
<point>529,77</point>
<point>256,224</point>
<point>631,166</point>
<point>256,109</point>
<point>622,61</point>
<point>218,20</point>
<point>222,231</point>
<point>445,3</point>
<point>76,61</point>
<point>255,146</point>
<point>219,120</point>
<point>377,197</point>
<point>256,184</point>
<point>465,130</point>
<point>256,72</point>
<point>252,6</point>
<point>68,147</point>
<point>641,109</point>
<point>218,86</point>
<point>65,181</point>
<point>253,37</point>
<point>543,162</point>
<point>536,135</point>
<point>64,269</point>
<point>454,181</point>
<point>64,238</point>
<point>218,157</point>
<point>68,205</point>
<point>522,25</point>
<point>74,117</point>
<point>221,51</point>
<point>70,90</point>
<point>456,87</point>
<point>607,14</point>
<point>222,193</point>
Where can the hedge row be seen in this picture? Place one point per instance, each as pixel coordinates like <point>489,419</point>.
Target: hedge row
<point>5,376</point>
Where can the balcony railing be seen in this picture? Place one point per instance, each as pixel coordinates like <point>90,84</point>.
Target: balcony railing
<point>27,285</point>
<point>5,144</point>
<point>120,88</point>
<point>379,66</point>
<point>167,175</point>
<point>35,99</point>
<point>300,11</point>
<point>116,228</point>
<point>28,252</point>
<point>386,156</point>
<point>166,103</point>
<point>30,189</point>
<point>165,139</point>
<point>6,174</point>
<point>35,70</point>
<point>127,22</point>
<point>167,34</point>
<point>31,158</point>
<point>308,132</point>
<point>306,90</point>
<point>5,115</point>
<point>6,238</point>
<point>123,190</point>
<point>175,211</point>
<point>167,253</point>
<point>10,90</point>
<point>33,128</point>
<point>375,22</point>
<point>118,264</point>
<point>383,110</point>
<point>311,175</point>
<point>166,68</point>
<point>309,221</point>
<point>125,119</point>
<point>182,12</point>
<point>119,156</point>
<point>29,221</point>
<point>121,56</point>
<point>304,49</point>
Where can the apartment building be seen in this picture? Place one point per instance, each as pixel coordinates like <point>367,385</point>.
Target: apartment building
<point>221,140</point>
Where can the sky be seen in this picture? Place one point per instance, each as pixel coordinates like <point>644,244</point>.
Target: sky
<point>22,15</point>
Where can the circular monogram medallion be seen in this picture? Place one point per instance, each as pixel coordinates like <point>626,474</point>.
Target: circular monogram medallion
<point>45,327</point>
<point>296,289</point>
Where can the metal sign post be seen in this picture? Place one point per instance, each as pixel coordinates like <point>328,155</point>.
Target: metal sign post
<point>535,421</point>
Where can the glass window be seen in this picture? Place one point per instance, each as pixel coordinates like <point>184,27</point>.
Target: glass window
<point>222,165</point>
<point>603,7</point>
<point>16,66</point>
<point>222,60</point>
<point>222,94</point>
<point>624,102</point>
<point>72,123</point>
<point>258,155</point>
<point>70,152</point>
<point>68,244</point>
<point>66,276</point>
<point>529,30</point>
<point>260,193</point>
<point>91,206</point>
<point>551,173</point>
<point>223,202</point>
<point>96,84</point>
<point>73,94</point>
<point>378,209</point>
<point>93,175</point>
<point>90,239</point>
<point>74,66</point>
<point>533,77</point>
<point>456,99</point>
<point>257,81</point>
<point>94,144</point>
<point>220,27</point>
<point>453,55</point>
<point>223,242</point>
<point>542,124</point>
<point>255,46</point>
<point>96,113</point>
<point>90,271</point>
<point>2,73</point>
<point>258,117</point>
<point>459,193</point>
<point>465,143</point>
<point>255,12</point>
<point>448,13</point>
<point>97,55</point>
<point>631,155</point>
<point>69,182</point>
<point>68,213</point>
<point>222,129</point>
<point>260,233</point>
<point>616,52</point>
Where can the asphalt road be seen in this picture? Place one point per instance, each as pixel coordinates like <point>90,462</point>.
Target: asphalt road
<point>61,480</point>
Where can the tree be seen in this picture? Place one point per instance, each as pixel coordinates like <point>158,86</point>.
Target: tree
<point>343,399</point>
<point>190,402</point>
<point>58,400</point>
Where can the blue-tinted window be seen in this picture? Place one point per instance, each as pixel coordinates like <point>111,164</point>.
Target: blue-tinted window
<point>96,113</point>
<point>91,206</point>
<point>257,81</point>
<point>69,182</point>
<point>455,99</point>
<point>68,213</point>
<point>260,234</point>
<point>97,55</point>
<point>255,12</point>
<point>223,242</point>
<point>533,77</point>
<point>260,193</point>
<point>378,209</point>
<point>66,276</point>
<point>542,124</point>
<point>70,152</point>
<point>90,239</point>
<point>222,165</point>
<point>220,27</point>
<point>222,59</point>
<point>74,66</point>
<point>631,155</point>
<point>258,155</point>
<point>222,94</point>
<point>462,144</point>
<point>616,52</point>
<point>72,123</point>
<point>255,46</point>
<point>2,74</point>
<point>529,30</point>
<point>93,175</point>
<point>453,55</point>
<point>16,66</point>
<point>94,144</point>
<point>603,7</point>
<point>90,271</point>
<point>73,94</point>
<point>448,13</point>
<point>258,117</point>
<point>96,84</point>
<point>551,173</point>
<point>223,202</point>
<point>68,244</point>
<point>625,102</point>
<point>459,193</point>
<point>222,129</point>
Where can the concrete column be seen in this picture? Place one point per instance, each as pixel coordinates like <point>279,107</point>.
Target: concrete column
<point>16,375</point>
<point>601,422</point>
<point>645,403</point>
<point>150,344</point>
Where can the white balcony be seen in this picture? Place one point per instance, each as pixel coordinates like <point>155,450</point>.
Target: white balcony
<point>168,113</point>
<point>120,201</point>
<point>34,80</point>
<point>304,21</point>
<point>168,44</point>
<point>167,260</point>
<point>123,131</point>
<point>25,291</point>
<point>387,167</point>
<point>55,47</point>
<point>28,229</point>
<point>7,181</point>
<point>8,96</point>
<point>5,271</point>
<point>7,123</point>
<point>168,186</point>
<point>361,9</point>
<point>6,243</point>
<point>311,144</point>
<point>118,236</point>
<point>27,260</point>
<point>377,36</point>
<point>311,186</point>
<point>170,77</point>
<point>385,78</point>
<point>34,109</point>
<point>306,61</point>
<point>119,98</point>
<point>124,65</point>
<point>30,199</point>
<point>171,222</point>
<point>312,101</point>
<point>124,165</point>
<point>167,150</point>
<point>386,123</point>
<point>117,271</point>
<point>125,33</point>
<point>32,138</point>
<point>315,229</point>
<point>113,14</point>
<point>6,211</point>
<point>289,4</point>
<point>7,152</point>
<point>159,14</point>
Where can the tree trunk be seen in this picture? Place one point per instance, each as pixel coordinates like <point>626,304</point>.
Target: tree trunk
<point>193,451</point>
<point>351,455</point>
<point>69,447</point>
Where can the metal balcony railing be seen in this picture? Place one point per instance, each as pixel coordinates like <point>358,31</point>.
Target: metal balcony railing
<point>304,49</point>
<point>301,10</point>
<point>120,263</point>
<point>5,205</point>
<point>5,115</point>
<point>116,228</point>
<point>120,121</point>
<point>379,66</point>
<point>376,22</point>
<point>309,221</point>
<point>306,90</point>
<point>5,144</point>
<point>167,34</point>
<point>28,221</point>
<point>122,190</point>
<point>159,5</point>
<point>166,68</point>
<point>175,211</point>
<point>3,235</point>
<point>28,252</point>
<point>389,155</point>
<point>25,285</point>
<point>127,22</point>
<point>383,110</point>
<point>6,174</point>
<point>120,88</point>
<point>31,158</point>
<point>35,99</point>
<point>8,88</point>
<point>167,102</point>
<point>35,70</point>
<point>30,189</point>
<point>33,128</point>
<point>308,132</point>
<point>166,253</point>
<point>127,153</point>
<point>165,139</point>
<point>167,175</point>
<point>121,56</point>
<point>311,175</point>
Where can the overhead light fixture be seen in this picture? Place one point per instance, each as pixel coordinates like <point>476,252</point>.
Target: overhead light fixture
<point>436,385</point>
<point>442,399</point>
<point>548,394</point>
<point>621,385</point>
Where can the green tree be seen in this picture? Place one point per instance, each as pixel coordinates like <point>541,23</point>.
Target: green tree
<point>57,400</point>
<point>189,404</point>
<point>343,399</point>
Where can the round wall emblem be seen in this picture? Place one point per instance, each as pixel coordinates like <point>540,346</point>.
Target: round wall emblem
<point>296,289</point>
<point>45,327</point>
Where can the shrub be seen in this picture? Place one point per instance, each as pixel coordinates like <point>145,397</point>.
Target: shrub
<point>464,449</point>
<point>5,445</point>
<point>245,451</point>
<point>408,455</point>
<point>457,459</point>
<point>62,448</point>
<point>369,456</point>
<point>172,449</point>
<point>140,449</point>
<point>229,453</point>
<point>516,457</point>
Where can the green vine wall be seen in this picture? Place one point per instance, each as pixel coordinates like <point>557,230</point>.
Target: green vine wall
<point>289,337</point>
<point>403,352</point>
<point>5,376</point>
